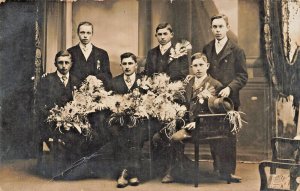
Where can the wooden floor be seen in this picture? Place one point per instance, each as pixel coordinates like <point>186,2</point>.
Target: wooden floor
<point>21,175</point>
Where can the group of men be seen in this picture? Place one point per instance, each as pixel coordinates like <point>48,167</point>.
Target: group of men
<point>221,68</point>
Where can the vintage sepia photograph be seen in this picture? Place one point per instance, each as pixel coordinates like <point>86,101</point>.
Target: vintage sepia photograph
<point>103,95</point>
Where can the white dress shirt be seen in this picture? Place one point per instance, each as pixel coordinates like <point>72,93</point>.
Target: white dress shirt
<point>86,49</point>
<point>129,80</point>
<point>198,81</point>
<point>219,45</point>
<point>164,48</point>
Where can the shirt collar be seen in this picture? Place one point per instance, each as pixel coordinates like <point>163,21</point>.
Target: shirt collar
<point>86,47</point>
<point>166,46</point>
<point>222,41</point>
<point>132,77</point>
<point>202,78</point>
<point>60,75</point>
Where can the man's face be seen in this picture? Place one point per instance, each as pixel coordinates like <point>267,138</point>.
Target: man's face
<point>129,66</point>
<point>164,36</point>
<point>199,67</point>
<point>63,64</point>
<point>85,34</point>
<point>219,28</point>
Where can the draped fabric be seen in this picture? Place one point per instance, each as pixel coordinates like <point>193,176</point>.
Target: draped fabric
<point>284,72</point>
<point>280,71</point>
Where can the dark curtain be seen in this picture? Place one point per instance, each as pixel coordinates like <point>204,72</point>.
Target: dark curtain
<point>18,135</point>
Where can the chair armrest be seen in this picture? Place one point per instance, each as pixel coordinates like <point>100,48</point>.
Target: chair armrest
<point>293,168</point>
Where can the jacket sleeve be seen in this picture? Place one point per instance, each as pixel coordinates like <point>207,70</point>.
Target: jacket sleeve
<point>241,76</point>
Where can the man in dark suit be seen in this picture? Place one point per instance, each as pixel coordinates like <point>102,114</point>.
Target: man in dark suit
<point>159,60</point>
<point>88,59</point>
<point>198,90</point>
<point>55,89</point>
<point>127,141</point>
<point>228,65</point>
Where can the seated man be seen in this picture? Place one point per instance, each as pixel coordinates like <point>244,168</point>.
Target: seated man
<point>127,141</point>
<point>55,89</point>
<point>198,89</point>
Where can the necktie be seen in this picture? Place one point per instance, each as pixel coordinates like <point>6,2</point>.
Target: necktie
<point>128,80</point>
<point>64,79</point>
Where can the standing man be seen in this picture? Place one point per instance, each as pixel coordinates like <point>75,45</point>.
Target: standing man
<point>159,60</point>
<point>228,65</point>
<point>127,140</point>
<point>89,59</point>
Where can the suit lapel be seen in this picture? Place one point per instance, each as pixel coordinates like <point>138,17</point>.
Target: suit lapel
<point>227,50</point>
<point>189,89</point>
<point>210,49</point>
<point>58,81</point>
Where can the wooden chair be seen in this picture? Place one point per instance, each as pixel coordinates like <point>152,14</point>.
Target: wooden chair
<point>292,164</point>
<point>209,128</point>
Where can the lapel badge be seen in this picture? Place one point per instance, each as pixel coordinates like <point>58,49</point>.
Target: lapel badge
<point>98,65</point>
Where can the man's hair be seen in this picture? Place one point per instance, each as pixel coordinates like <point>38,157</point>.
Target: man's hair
<point>85,23</point>
<point>199,55</point>
<point>129,55</point>
<point>62,53</point>
<point>219,16</point>
<point>164,25</point>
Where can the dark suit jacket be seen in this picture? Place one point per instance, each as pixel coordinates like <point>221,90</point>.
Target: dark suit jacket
<point>119,86</point>
<point>177,69</point>
<point>82,68</point>
<point>51,92</point>
<point>231,68</point>
<point>192,103</point>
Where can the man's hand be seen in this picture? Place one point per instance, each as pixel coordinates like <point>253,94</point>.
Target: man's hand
<point>190,126</point>
<point>188,78</point>
<point>44,75</point>
<point>225,92</point>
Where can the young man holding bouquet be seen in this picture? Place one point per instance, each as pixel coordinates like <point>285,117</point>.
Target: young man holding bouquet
<point>162,60</point>
<point>199,89</point>
<point>90,60</point>
<point>169,59</point>
<point>228,65</point>
<point>56,88</point>
<point>127,139</point>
